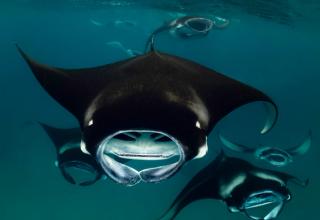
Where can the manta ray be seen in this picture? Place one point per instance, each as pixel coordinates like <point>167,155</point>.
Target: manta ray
<point>242,186</point>
<point>186,27</point>
<point>69,156</point>
<point>154,106</point>
<point>275,156</point>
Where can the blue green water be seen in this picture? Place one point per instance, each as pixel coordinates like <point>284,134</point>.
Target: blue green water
<point>272,46</point>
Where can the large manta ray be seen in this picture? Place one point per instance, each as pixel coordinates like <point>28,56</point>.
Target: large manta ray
<point>151,107</point>
<point>242,186</point>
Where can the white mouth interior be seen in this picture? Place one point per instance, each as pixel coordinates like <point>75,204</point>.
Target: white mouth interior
<point>200,25</point>
<point>274,156</point>
<point>117,152</point>
<point>264,205</point>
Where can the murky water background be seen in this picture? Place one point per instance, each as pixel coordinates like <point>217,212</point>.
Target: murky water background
<point>271,45</point>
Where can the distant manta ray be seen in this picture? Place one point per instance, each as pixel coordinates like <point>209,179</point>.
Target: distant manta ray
<point>119,46</point>
<point>67,142</point>
<point>187,27</point>
<point>154,106</point>
<point>69,155</point>
<point>273,155</point>
<point>116,23</point>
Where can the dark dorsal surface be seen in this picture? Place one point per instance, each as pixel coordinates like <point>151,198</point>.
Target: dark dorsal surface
<point>154,91</point>
<point>230,180</point>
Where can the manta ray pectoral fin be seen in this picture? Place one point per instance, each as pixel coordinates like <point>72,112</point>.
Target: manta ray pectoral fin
<point>302,148</point>
<point>302,183</point>
<point>183,200</point>
<point>61,136</point>
<point>222,95</point>
<point>272,115</point>
<point>72,88</point>
<point>234,146</point>
<point>220,22</point>
<point>199,187</point>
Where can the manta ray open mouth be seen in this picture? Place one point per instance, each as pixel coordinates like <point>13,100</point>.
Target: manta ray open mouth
<point>116,150</point>
<point>142,146</point>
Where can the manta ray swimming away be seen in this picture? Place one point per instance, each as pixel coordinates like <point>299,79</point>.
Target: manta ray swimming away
<point>152,107</point>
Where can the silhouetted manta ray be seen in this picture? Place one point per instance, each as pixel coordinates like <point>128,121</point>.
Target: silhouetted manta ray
<point>143,99</point>
<point>273,155</point>
<point>69,155</point>
<point>184,27</point>
<point>240,185</point>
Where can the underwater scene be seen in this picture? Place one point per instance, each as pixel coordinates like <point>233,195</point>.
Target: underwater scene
<point>159,109</point>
